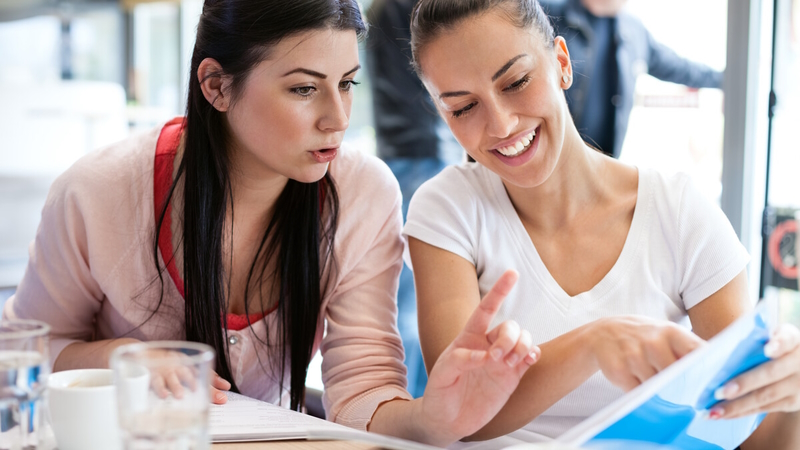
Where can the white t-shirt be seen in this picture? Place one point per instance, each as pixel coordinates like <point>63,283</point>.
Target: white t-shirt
<point>680,249</point>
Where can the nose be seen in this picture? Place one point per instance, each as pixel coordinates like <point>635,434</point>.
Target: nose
<point>336,116</point>
<point>500,120</point>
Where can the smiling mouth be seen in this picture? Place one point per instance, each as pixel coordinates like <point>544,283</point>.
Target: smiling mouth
<point>518,147</point>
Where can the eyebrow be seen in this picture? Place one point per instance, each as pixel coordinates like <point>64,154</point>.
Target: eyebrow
<point>507,66</point>
<point>497,75</point>
<point>316,74</point>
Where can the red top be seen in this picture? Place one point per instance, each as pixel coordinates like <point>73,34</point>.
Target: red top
<point>166,148</point>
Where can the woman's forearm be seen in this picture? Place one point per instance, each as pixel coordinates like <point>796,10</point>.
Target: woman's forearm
<point>566,362</point>
<point>88,355</point>
<point>400,418</point>
<point>779,431</point>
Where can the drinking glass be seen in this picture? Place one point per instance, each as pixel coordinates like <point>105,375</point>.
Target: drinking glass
<point>163,394</point>
<point>24,366</point>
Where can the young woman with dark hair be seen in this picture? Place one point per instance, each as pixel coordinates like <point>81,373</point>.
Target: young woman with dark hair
<point>613,260</point>
<point>245,226</point>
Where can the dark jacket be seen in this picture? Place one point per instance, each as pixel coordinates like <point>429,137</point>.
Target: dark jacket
<point>405,118</point>
<point>637,53</point>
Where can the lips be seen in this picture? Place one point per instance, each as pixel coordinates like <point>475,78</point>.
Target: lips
<point>518,147</point>
<point>325,155</point>
<point>519,156</point>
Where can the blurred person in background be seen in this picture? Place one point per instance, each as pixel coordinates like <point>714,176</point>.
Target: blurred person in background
<point>609,49</point>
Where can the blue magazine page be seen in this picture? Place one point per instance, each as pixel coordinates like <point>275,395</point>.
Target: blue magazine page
<point>670,409</point>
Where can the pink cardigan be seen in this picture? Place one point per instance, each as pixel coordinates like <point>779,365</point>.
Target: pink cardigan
<point>91,276</point>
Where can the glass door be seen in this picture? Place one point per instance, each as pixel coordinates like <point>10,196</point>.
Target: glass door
<point>780,250</point>
<point>692,142</point>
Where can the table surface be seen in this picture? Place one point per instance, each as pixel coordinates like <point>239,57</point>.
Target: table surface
<point>296,445</point>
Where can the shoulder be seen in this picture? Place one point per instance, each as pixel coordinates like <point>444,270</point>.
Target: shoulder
<point>667,183</point>
<point>663,193</point>
<point>369,196</point>
<point>111,174</point>
<point>459,194</point>
<point>668,189</point>
<point>370,214</point>
<point>362,177</point>
<point>464,186</point>
<point>469,176</point>
<point>681,205</point>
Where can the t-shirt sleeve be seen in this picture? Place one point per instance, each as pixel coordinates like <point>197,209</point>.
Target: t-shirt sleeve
<point>710,252</point>
<point>58,286</point>
<point>362,354</point>
<point>443,213</point>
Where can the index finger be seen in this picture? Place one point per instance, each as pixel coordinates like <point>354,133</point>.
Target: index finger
<point>683,341</point>
<point>482,316</point>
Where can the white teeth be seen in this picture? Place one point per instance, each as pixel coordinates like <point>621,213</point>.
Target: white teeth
<point>517,148</point>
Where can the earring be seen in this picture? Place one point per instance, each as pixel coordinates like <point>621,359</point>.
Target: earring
<point>565,79</point>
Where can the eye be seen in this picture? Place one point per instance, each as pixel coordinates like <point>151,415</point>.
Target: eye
<point>519,84</point>
<point>347,85</point>
<point>304,91</point>
<point>458,113</point>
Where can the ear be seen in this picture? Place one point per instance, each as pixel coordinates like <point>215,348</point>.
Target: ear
<point>214,84</point>
<point>564,63</point>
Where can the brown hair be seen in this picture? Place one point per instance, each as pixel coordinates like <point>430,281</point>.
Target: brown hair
<point>430,18</point>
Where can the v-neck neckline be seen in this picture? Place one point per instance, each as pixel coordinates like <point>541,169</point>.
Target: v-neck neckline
<point>530,255</point>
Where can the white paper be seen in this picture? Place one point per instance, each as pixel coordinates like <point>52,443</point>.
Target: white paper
<point>246,419</point>
<point>243,419</point>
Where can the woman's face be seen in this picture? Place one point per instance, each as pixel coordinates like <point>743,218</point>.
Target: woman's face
<point>499,88</point>
<point>293,108</point>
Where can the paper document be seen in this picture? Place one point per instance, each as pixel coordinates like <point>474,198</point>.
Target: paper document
<point>670,409</point>
<point>244,419</point>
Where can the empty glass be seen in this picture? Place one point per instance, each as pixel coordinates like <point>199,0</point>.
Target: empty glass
<point>163,394</point>
<point>24,366</point>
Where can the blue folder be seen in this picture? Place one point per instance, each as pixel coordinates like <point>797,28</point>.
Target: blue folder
<point>669,410</point>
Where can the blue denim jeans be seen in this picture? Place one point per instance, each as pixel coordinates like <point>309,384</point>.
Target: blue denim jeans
<point>411,173</point>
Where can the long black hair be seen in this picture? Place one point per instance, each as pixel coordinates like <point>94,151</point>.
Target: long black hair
<point>298,240</point>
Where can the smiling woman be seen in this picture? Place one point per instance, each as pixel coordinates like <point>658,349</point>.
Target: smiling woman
<point>247,226</point>
<point>613,259</point>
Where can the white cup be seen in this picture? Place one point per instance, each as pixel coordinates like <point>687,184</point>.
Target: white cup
<point>82,408</point>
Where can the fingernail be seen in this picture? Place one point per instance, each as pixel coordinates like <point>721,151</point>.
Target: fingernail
<point>716,413</point>
<point>512,360</point>
<point>219,396</point>
<point>771,349</point>
<point>726,392</point>
<point>534,356</point>
<point>496,354</point>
